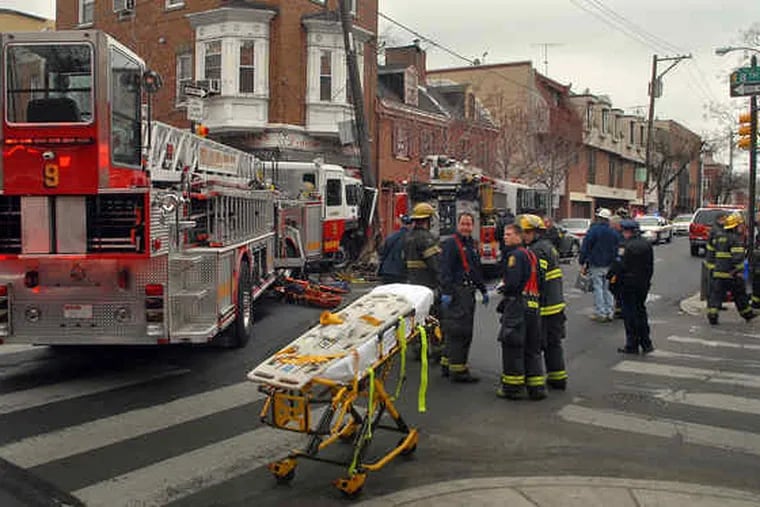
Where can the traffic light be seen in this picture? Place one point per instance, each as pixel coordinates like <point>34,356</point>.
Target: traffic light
<point>201,130</point>
<point>745,131</point>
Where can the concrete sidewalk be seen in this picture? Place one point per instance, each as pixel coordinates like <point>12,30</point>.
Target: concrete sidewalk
<point>693,306</point>
<point>567,491</point>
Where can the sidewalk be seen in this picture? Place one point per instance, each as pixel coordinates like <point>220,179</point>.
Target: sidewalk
<point>693,306</point>
<point>19,488</point>
<point>566,491</point>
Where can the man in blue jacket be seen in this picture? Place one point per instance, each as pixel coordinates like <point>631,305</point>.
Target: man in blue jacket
<point>598,250</point>
<point>392,266</point>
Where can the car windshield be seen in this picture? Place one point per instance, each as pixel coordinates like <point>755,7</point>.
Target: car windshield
<point>580,223</point>
<point>708,216</point>
<point>648,221</point>
<point>682,218</point>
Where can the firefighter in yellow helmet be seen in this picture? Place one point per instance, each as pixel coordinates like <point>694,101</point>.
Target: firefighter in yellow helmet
<point>421,249</point>
<point>725,257</point>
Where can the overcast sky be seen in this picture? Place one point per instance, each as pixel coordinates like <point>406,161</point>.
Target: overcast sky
<point>586,51</point>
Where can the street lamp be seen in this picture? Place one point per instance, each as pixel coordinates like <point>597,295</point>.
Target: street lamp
<point>752,156</point>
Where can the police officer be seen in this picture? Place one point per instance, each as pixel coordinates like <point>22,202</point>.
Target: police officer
<point>552,302</point>
<point>392,267</point>
<point>421,249</point>
<point>725,257</point>
<point>461,275</point>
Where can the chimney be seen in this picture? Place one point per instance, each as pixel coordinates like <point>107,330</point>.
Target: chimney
<point>412,55</point>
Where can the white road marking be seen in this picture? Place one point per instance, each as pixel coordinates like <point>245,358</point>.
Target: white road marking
<point>691,433</point>
<point>85,437</point>
<point>13,349</point>
<point>666,354</point>
<point>43,395</point>
<point>715,401</point>
<point>711,376</point>
<point>713,343</point>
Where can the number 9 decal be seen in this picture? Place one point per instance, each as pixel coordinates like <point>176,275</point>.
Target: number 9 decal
<point>50,175</point>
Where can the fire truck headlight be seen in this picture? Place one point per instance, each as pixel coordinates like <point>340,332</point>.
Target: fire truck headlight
<point>32,314</point>
<point>122,314</point>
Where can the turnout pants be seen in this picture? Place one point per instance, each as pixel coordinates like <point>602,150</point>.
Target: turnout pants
<point>457,325</point>
<point>635,318</point>
<point>718,289</point>
<point>553,331</point>
<point>756,282</point>
<point>520,346</point>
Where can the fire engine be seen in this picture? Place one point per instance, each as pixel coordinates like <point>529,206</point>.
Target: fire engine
<point>118,230</point>
<point>456,188</point>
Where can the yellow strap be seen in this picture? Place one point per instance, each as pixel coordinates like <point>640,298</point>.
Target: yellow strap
<point>301,360</point>
<point>401,337</point>
<point>422,394</point>
<point>370,401</point>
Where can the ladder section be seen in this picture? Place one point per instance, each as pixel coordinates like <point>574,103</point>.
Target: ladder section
<point>225,216</point>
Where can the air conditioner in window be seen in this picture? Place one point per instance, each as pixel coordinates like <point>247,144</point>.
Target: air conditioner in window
<point>215,86</point>
<point>123,6</point>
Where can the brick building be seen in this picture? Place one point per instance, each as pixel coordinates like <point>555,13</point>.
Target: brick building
<point>279,66</point>
<point>716,175</point>
<point>416,119</point>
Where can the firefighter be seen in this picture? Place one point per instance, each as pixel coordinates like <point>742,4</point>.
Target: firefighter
<point>725,257</point>
<point>756,266</point>
<point>552,303</point>
<point>421,249</point>
<point>392,268</point>
<point>461,275</point>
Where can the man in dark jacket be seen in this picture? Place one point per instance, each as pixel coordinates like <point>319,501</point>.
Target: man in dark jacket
<point>633,269</point>
<point>392,264</point>
<point>597,253</point>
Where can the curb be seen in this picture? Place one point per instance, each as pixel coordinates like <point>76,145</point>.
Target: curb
<point>429,493</point>
<point>693,306</point>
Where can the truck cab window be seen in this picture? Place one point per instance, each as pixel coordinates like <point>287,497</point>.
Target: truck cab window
<point>125,109</point>
<point>49,83</point>
<point>333,193</point>
<point>353,195</point>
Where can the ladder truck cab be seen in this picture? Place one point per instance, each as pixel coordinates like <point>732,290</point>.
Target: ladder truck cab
<point>335,234</point>
<point>114,230</point>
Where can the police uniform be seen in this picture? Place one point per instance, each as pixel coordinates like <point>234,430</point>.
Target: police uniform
<point>552,310</point>
<point>725,259</point>
<point>461,275</point>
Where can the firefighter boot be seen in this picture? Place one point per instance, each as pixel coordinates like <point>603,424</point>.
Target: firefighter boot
<point>444,367</point>
<point>510,392</point>
<point>462,376</point>
<point>536,393</point>
<point>559,385</point>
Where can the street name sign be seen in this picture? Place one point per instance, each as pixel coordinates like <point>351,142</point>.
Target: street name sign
<point>745,81</point>
<point>195,91</point>
<point>195,110</point>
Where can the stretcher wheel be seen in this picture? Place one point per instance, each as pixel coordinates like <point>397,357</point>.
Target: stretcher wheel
<point>409,450</point>
<point>284,471</point>
<point>351,487</point>
<point>287,478</point>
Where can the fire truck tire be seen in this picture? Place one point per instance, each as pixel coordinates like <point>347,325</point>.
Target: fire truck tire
<point>240,332</point>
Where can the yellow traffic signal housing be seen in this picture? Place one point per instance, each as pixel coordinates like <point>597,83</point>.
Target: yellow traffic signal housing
<point>745,117</point>
<point>744,143</point>
<point>745,130</point>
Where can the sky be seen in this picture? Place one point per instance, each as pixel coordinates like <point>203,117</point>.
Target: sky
<point>588,48</point>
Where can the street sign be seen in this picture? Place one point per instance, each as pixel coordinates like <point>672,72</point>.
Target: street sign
<point>195,110</point>
<point>195,91</point>
<point>745,81</point>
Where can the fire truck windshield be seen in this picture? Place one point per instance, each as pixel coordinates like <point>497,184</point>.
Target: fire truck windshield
<point>49,83</point>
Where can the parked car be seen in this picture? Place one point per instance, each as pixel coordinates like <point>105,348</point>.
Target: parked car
<point>569,244</point>
<point>681,224</point>
<point>699,230</point>
<point>578,227</point>
<point>655,229</point>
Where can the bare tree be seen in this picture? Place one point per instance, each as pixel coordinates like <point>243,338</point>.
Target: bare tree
<point>721,189</point>
<point>674,149</point>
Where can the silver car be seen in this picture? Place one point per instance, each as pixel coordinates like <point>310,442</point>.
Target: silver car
<point>655,229</point>
<point>681,224</point>
<point>576,226</point>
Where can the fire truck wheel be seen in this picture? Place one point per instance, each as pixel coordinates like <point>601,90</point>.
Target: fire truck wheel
<point>238,334</point>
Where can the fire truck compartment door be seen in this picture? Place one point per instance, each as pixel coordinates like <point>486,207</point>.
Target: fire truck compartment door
<point>71,224</point>
<point>35,224</point>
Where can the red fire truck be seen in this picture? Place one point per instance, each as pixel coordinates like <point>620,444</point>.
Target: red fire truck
<point>114,230</point>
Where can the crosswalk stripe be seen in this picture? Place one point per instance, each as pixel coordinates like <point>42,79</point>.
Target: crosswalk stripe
<point>666,354</point>
<point>189,473</point>
<point>85,437</point>
<point>14,349</point>
<point>712,376</point>
<point>43,395</point>
<point>715,401</point>
<point>713,343</point>
<point>698,434</point>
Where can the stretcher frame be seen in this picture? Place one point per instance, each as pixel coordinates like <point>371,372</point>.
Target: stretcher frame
<point>342,421</point>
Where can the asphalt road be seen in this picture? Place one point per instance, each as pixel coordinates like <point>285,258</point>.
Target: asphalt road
<point>180,426</point>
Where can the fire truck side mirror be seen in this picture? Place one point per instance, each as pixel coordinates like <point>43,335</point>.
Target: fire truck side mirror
<point>152,81</point>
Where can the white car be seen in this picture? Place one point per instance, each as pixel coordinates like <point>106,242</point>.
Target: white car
<point>655,229</point>
<point>681,224</point>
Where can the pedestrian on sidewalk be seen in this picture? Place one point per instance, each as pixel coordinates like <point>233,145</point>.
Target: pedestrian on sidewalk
<point>461,276</point>
<point>633,270</point>
<point>725,257</point>
<point>392,267</point>
<point>597,253</point>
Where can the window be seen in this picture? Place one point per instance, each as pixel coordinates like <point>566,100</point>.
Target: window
<point>49,83</point>
<point>173,4</point>
<point>184,75</point>
<point>612,171</point>
<point>401,148</point>
<point>212,60</point>
<point>333,193</point>
<point>605,121</point>
<point>591,166</point>
<point>631,133</point>
<point>353,195</point>
<point>589,116</point>
<point>641,135</point>
<point>325,76</point>
<point>247,77</point>
<point>126,119</point>
<point>426,143</point>
<point>86,12</point>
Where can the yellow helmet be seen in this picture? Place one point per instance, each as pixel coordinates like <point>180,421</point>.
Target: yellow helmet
<point>422,211</point>
<point>530,222</point>
<point>733,221</point>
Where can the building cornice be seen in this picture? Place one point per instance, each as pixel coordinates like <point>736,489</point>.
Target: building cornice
<point>230,14</point>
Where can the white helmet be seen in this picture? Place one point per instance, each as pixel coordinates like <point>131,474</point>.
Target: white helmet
<point>604,213</point>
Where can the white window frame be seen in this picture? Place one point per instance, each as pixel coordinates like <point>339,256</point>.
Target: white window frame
<point>354,6</point>
<point>329,54</point>
<point>605,121</point>
<point>204,70</point>
<point>252,67</point>
<point>80,14</point>
<point>181,99</point>
<point>174,4</point>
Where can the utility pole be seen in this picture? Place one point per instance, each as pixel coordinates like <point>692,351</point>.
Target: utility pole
<point>655,90</point>
<point>752,174</point>
<point>545,53</point>
<point>730,174</point>
<point>362,127</point>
